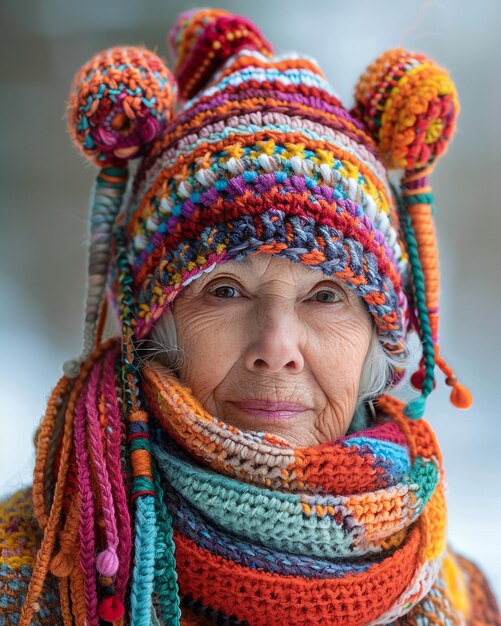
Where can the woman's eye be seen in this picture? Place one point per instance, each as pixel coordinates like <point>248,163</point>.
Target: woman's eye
<point>222,291</point>
<point>328,295</point>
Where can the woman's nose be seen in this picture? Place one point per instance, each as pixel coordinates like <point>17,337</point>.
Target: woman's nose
<point>276,345</point>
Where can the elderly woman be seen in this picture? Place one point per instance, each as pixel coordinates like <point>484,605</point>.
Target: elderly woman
<point>233,456</point>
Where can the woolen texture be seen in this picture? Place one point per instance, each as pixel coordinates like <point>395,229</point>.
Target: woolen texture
<point>143,517</point>
<point>352,531</point>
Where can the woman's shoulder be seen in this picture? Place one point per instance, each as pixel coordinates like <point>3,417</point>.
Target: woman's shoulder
<point>484,606</point>
<point>467,590</point>
<point>20,538</point>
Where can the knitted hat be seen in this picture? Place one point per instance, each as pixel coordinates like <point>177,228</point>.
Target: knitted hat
<point>243,152</point>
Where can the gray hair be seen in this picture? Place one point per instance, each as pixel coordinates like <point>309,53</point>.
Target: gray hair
<point>376,377</point>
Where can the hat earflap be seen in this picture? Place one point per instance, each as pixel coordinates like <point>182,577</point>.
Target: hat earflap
<point>410,105</point>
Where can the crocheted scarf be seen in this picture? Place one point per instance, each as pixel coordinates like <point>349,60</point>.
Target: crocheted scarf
<point>241,528</point>
<point>351,531</point>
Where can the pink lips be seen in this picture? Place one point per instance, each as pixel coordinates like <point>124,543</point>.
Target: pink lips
<point>271,410</point>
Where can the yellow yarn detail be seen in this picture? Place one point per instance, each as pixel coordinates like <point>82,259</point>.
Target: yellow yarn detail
<point>434,131</point>
<point>234,150</point>
<point>19,530</point>
<point>409,98</point>
<point>268,147</point>
<point>323,158</point>
<point>434,522</point>
<point>455,584</point>
<point>293,149</point>
<point>306,508</point>
<point>15,562</point>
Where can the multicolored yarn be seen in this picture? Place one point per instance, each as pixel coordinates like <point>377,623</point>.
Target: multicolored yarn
<point>19,541</point>
<point>140,496</point>
<point>121,101</point>
<point>249,531</point>
<point>410,105</point>
<point>348,532</point>
<point>259,521</point>
<point>261,156</point>
<point>202,39</point>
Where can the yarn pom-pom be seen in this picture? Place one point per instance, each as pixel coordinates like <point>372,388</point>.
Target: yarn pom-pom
<point>417,379</point>
<point>61,565</point>
<point>410,106</point>
<point>415,408</point>
<point>110,609</point>
<point>461,397</point>
<point>201,40</point>
<point>120,103</point>
<point>107,562</point>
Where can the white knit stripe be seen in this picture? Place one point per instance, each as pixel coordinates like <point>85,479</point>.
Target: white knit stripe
<point>293,76</point>
<point>249,123</point>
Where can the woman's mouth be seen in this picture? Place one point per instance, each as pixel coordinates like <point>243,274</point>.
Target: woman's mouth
<point>271,410</point>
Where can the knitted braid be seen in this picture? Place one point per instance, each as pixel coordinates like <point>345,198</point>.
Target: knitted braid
<point>416,407</point>
<point>44,443</point>
<point>113,439</point>
<point>143,493</point>
<point>106,561</point>
<point>50,523</point>
<point>108,194</point>
<point>166,586</point>
<point>87,509</point>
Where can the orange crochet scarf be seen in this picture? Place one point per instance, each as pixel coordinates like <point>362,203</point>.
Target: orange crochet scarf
<point>244,529</point>
<point>348,532</point>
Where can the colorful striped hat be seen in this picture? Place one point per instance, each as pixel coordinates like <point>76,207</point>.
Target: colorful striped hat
<point>242,151</point>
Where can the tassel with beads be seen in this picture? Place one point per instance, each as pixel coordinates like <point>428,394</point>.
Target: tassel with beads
<point>410,105</point>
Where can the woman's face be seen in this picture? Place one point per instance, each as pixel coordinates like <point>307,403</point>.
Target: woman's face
<point>264,331</point>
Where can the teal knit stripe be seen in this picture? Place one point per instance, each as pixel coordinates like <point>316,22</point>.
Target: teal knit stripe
<point>426,475</point>
<point>277,519</point>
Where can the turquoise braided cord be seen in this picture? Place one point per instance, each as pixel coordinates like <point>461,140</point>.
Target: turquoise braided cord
<point>143,494</point>
<point>166,586</point>
<point>415,408</point>
<point>143,574</point>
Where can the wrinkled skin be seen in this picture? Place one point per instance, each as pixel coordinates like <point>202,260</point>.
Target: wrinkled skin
<point>271,329</point>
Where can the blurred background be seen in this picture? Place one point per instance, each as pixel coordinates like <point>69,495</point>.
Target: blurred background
<point>45,189</point>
